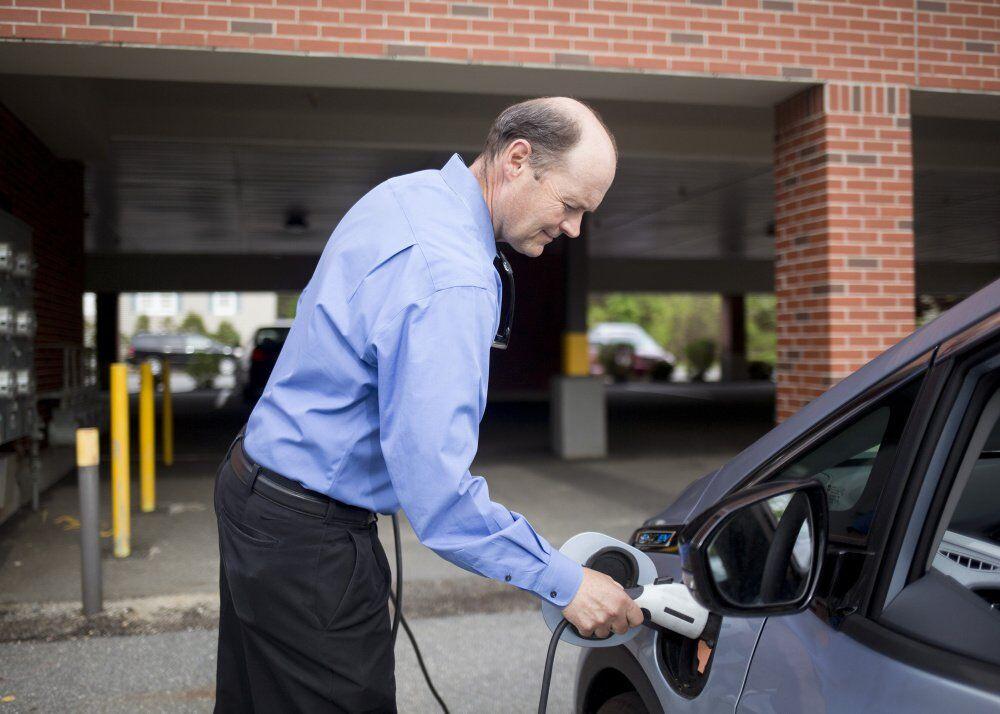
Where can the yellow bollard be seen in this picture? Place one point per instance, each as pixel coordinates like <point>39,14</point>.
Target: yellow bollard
<point>168,415</point>
<point>120,499</point>
<point>147,440</point>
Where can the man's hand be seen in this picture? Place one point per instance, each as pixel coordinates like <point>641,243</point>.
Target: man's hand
<point>601,607</point>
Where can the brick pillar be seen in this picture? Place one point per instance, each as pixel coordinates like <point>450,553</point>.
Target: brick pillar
<point>844,234</point>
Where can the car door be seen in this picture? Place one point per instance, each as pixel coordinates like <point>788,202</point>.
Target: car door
<point>887,630</point>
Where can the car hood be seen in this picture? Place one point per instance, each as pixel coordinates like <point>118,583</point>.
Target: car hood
<point>677,512</point>
<point>918,346</point>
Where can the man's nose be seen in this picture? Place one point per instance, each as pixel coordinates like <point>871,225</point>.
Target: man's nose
<point>571,227</point>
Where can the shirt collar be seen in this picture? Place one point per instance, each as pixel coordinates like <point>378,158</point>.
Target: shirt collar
<point>462,181</point>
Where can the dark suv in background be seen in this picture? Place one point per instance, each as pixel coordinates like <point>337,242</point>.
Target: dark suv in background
<point>198,355</point>
<point>261,356</point>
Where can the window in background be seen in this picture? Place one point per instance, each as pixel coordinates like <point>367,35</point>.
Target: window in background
<point>157,304</point>
<point>224,304</point>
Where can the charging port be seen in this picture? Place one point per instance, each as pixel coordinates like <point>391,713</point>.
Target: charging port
<point>686,663</point>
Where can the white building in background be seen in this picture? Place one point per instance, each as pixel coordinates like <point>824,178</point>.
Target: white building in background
<point>244,311</point>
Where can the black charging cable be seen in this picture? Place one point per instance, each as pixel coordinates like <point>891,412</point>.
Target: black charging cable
<point>397,618</point>
<point>543,699</point>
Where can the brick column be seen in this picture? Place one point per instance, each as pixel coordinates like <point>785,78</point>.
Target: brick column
<point>844,234</point>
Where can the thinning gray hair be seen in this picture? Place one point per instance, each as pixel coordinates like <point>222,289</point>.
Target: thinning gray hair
<point>551,131</point>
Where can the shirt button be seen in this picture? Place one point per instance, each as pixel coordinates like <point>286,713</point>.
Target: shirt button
<point>507,578</point>
<point>553,593</point>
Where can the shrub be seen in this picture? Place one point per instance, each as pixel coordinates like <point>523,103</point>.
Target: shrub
<point>193,323</point>
<point>227,334</point>
<point>758,369</point>
<point>203,368</point>
<point>700,355</point>
<point>662,372</point>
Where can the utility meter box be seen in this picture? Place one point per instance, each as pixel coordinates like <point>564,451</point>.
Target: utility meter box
<point>18,406</point>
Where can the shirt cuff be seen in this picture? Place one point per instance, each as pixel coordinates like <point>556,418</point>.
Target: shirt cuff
<point>560,580</point>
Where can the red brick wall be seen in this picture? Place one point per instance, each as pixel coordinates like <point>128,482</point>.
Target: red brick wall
<point>47,194</point>
<point>844,234</point>
<point>948,44</point>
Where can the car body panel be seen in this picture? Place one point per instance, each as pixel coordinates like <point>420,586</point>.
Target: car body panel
<point>731,660</point>
<point>801,664</point>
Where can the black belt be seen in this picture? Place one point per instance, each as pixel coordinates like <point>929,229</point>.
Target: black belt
<point>292,494</point>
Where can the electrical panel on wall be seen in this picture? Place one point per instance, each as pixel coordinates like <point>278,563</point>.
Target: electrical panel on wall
<point>17,331</point>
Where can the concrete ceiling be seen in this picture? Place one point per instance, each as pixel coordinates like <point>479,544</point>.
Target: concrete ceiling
<point>155,196</point>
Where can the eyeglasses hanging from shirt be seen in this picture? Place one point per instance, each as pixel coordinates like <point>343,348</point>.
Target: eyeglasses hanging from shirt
<point>506,300</point>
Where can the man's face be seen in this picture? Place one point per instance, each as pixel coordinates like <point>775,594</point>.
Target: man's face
<point>538,210</point>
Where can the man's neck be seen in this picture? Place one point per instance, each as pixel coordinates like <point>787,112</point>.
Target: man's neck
<point>487,185</point>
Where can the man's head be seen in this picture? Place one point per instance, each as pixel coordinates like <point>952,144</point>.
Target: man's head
<point>546,162</point>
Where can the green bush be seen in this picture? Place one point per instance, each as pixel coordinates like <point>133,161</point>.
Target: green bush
<point>700,355</point>
<point>227,334</point>
<point>758,369</point>
<point>203,368</point>
<point>662,372</point>
<point>142,324</point>
<point>193,323</point>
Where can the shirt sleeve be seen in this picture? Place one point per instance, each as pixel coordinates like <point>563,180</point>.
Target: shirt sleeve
<point>433,368</point>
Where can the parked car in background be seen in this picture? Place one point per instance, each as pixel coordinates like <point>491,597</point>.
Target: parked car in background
<point>625,350</point>
<point>897,609</point>
<point>261,355</point>
<point>201,357</point>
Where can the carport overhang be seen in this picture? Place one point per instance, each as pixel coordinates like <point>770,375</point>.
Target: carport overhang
<point>91,103</point>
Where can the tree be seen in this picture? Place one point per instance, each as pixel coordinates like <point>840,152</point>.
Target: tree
<point>761,326</point>
<point>227,334</point>
<point>167,324</point>
<point>287,302</point>
<point>193,323</point>
<point>142,324</point>
<point>673,320</point>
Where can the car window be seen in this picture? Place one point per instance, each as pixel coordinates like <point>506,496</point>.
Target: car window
<point>969,551</point>
<point>199,342</point>
<point>853,462</point>
<point>276,334</point>
<point>954,601</point>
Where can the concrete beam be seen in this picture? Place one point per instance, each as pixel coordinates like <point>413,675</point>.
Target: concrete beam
<point>77,117</point>
<point>682,275</point>
<point>260,68</point>
<point>139,272</point>
<point>136,272</point>
<point>954,278</point>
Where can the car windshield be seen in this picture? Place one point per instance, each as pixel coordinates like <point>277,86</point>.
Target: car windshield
<point>628,334</point>
<point>275,334</point>
<point>157,343</point>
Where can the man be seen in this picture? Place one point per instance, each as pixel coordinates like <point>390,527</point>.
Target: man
<point>375,403</point>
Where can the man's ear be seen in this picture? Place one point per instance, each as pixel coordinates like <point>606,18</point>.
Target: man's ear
<point>517,157</point>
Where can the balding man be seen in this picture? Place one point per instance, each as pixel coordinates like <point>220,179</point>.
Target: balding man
<point>374,405</point>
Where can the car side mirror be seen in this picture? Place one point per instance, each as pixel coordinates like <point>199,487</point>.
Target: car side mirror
<point>759,551</point>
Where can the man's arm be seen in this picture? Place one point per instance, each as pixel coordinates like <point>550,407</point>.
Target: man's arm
<point>433,365</point>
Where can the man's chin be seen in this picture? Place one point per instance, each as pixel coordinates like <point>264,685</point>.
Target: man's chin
<point>532,249</point>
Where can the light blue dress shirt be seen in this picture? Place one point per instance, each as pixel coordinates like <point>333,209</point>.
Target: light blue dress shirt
<point>378,392</point>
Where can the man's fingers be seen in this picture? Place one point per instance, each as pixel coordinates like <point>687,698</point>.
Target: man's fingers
<point>635,616</point>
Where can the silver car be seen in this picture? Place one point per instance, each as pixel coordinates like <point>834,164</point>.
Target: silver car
<point>901,609</point>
